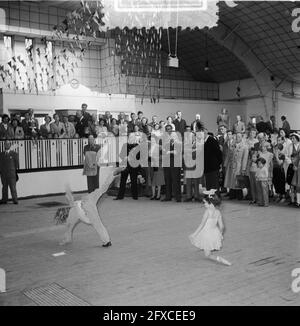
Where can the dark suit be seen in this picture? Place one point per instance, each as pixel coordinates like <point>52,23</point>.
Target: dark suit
<point>172,173</point>
<point>9,164</point>
<point>132,171</point>
<point>212,162</point>
<point>270,127</point>
<point>92,180</point>
<point>107,123</point>
<point>80,127</point>
<point>131,125</point>
<point>180,126</point>
<point>261,126</point>
<point>286,127</point>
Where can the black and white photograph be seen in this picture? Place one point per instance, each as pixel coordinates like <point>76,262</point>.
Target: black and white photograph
<point>149,155</point>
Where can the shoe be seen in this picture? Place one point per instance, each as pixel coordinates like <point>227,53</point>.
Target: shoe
<point>223,261</point>
<point>290,203</point>
<point>118,198</point>
<point>3,202</point>
<point>16,203</point>
<point>178,200</point>
<point>152,198</point>
<point>252,202</point>
<point>135,198</point>
<point>188,200</point>
<point>282,200</point>
<point>157,198</point>
<point>108,244</point>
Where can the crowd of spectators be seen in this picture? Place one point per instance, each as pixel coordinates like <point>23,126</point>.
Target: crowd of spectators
<point>259,161</point>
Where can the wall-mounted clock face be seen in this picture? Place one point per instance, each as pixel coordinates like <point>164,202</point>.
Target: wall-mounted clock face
<point>74,83</point>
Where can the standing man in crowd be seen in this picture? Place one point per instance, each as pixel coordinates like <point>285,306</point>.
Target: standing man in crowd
<point>239,126</point>
<point>81,124</point>
<point>180,123</point>
<point>212,161</point>
<point>154,121</point>
<point>195,122</point>
<point>271,125</point>
<point>261,126</point>
<point>85,114</point>
<point>9,164</point>
<point>139,118</point>
<point>132,122</point>
<point>172,149</point>
<point>285,126</point>
<point>90,167</point>
<point>33,124</point>
<point>107,120</point>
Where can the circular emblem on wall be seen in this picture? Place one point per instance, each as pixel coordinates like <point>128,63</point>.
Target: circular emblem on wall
<point>74,83</point>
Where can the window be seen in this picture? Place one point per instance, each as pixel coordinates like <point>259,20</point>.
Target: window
<point>49,50</point>
<point>28,44</point>
<point>7,42</point>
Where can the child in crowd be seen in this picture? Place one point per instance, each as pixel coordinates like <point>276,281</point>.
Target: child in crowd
<point>265,153</point>
<point>292,181</point>
<point>262,186</point>
<point>252,174</point>
<point>209,234</point>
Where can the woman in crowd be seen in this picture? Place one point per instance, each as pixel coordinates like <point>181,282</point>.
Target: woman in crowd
<point>114,128</point>
<point>156,131</point>
<point>162,125</point>
<point>18,132</point>
<point>123,127</point>
<point>45,129</point>
<point>251,140</point>
<point>57,127</point>
<point>286,142</point>
<point>101,130</point>
<point>136,136</point>
<point>170,123</point>
<point>223,118</point>
<point>237,167</point>
<point>265,152</point>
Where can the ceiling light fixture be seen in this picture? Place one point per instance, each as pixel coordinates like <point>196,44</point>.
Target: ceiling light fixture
<point>206,68</point>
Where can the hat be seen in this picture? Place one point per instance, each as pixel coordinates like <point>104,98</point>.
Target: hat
<point>210,193</point>
<point>297,135</point>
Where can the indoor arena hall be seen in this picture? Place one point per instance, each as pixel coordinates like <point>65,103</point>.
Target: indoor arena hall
<point>149,153</point>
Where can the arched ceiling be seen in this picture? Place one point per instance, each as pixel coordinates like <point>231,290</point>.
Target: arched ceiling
<point>264,25</point>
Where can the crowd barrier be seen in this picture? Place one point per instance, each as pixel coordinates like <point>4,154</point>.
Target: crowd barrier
<point>56,153</point>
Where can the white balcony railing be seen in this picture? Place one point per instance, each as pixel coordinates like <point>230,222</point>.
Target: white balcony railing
<point>56,153</point>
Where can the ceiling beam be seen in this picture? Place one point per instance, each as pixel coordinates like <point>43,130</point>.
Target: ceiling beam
<point>38,33</point>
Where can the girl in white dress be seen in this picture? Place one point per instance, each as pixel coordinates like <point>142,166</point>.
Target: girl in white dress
<point>209,234</point>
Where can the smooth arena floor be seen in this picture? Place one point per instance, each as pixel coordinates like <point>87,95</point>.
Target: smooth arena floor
<point>151,261</point>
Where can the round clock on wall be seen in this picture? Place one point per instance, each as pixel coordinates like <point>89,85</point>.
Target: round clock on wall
<point>74,83</point>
